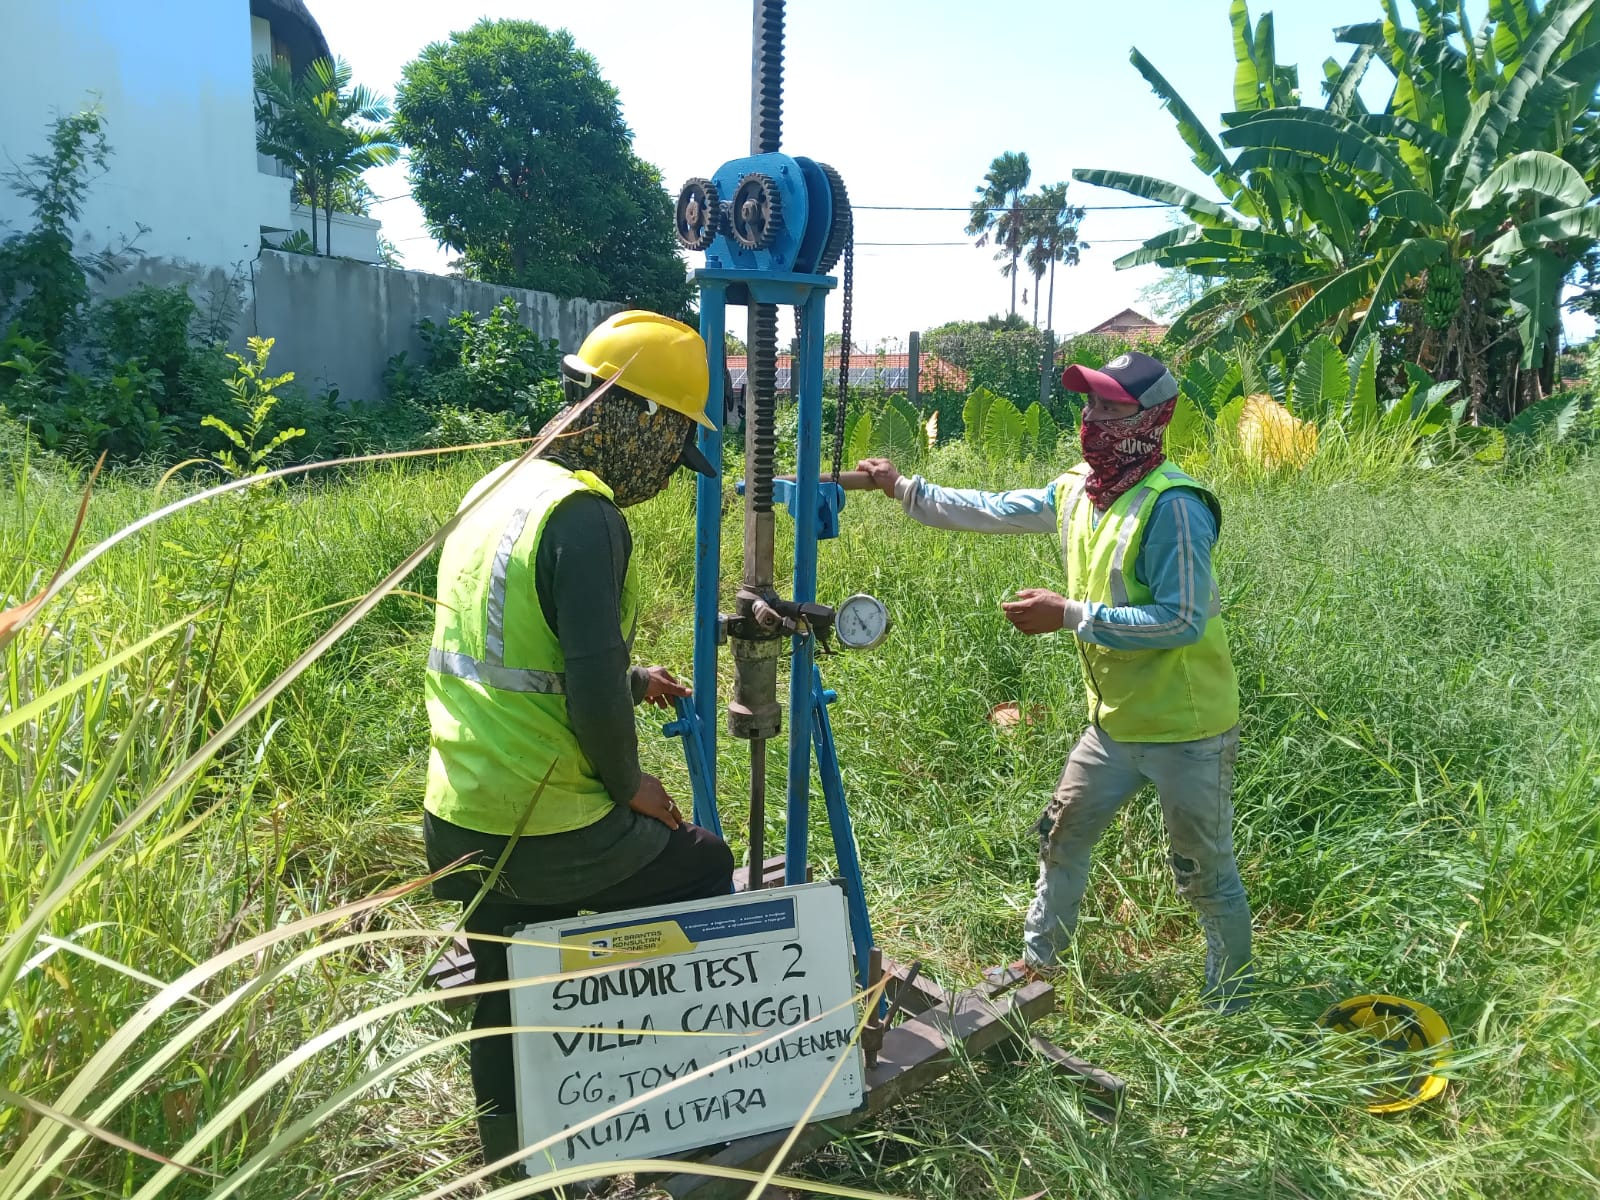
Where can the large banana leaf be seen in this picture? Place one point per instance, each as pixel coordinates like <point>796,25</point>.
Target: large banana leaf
<point>1412,205</point>
<point>1547,105</point>
<point>1208,155</point>
<point>1267,203</point>
<point>1153,247</point>
<point>1243,268</point>
<point>1278,84</point>
<point>1246,79</point>
<point>1569,225</point>
<point>1385,125</point>
<point>1321,135</point>
<point>1513,23</point>
<point>1343,96</point>
<point>1391,44</point>
<point>1321,381</point>
<point>1553,30</point>
<point>1582,71</point>
<point>1341,215</point>
<point>1410,258</point>
<point>1533,171</point>
<point>1218,244</point>
<point>1332,298</point>
<point>1484,45</point>
<point>1429,19</point>
<point>1462,150</point>
<point>1266,316</point>
<point>1199,209</point>
<point>1535,280</point>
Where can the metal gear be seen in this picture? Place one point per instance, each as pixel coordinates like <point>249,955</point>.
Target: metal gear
<point>756,216</point>
<point>843,222</point>
<point>698,214</point>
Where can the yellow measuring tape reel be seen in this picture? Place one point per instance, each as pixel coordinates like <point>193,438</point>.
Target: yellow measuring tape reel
<point>1398,1027</point>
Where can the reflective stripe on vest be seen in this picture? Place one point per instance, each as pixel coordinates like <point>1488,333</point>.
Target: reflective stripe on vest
<point>507,679</point>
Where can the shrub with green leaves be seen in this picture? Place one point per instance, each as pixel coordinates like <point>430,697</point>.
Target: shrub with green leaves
<point>491,363</point>
<point>892,429</point>
<point>1002,432</point>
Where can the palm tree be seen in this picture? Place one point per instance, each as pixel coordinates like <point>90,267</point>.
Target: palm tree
<point>1000,212</point>
<point>326,131</point>
<point>1052,238</point>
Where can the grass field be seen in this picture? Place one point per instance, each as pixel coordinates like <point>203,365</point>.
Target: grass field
<point>1417,803</point>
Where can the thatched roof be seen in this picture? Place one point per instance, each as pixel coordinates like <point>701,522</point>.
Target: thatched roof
<point>293,24</point>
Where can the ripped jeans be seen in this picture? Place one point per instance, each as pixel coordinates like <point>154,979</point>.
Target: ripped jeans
<point>1195,782</point>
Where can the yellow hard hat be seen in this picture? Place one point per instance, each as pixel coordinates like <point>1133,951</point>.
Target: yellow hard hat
<point>664,361</point>
<point>1397,1027</point>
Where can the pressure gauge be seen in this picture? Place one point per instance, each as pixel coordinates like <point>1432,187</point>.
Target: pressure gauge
<point>862,622</point>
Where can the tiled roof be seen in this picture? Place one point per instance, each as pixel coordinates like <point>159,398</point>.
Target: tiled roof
<point>1128,321</point>
<point>892,370</point>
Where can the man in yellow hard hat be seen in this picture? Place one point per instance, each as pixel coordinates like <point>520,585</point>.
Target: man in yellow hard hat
<point>530,694</point>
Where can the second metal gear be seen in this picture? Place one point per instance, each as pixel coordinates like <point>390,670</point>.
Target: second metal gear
<point>755,215</point>
<point>843,222</point>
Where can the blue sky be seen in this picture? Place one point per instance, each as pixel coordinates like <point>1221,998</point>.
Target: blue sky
<point>909,101</point>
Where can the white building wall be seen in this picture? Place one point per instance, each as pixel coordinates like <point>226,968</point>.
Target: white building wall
<point>173,78</point>
<point>261,48</point>
<point>353,237</point>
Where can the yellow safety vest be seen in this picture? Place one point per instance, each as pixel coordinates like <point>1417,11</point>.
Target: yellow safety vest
<point>495,680</point>
<point>1174,695</point>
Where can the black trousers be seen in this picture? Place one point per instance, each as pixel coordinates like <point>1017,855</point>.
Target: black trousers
<point>696,865</point>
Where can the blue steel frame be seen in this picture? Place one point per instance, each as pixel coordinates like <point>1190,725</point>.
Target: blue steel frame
<point>815,508</point>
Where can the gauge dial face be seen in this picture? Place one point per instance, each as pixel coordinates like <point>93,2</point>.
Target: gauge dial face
<point>862,622</point>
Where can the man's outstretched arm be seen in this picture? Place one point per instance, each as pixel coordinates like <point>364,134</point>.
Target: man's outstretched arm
<point>968,510</point>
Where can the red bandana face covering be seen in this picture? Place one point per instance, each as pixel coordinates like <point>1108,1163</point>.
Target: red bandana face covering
<point>1121,453</point>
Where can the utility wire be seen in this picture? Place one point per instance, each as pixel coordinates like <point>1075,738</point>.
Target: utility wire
<point>908,207</point>
<point>941,208</point>
<point>1091,245</point>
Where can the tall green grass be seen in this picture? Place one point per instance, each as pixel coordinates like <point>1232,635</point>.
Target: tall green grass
<point>1417,798</point>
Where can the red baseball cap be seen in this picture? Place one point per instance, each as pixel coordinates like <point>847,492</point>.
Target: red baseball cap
<point>1130,378</point>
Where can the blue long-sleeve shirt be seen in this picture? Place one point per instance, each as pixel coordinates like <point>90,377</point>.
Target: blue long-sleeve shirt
<point>1174,559</point>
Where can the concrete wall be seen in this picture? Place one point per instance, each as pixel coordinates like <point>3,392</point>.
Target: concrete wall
<point>337,323</point>
<point>173,78</point>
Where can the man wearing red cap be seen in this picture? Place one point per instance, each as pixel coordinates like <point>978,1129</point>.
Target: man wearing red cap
<point>1142,607</point>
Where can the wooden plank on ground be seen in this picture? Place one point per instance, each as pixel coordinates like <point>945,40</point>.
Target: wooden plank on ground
<point>914,1054</point>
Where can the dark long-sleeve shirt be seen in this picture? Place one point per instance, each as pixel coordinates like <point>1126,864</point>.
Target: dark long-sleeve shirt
<point>578,572</point>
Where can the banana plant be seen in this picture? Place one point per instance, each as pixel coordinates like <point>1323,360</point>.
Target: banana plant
<point>1469,196</point>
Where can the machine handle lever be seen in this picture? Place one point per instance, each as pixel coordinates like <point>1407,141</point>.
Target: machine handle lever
<point>850,481</point>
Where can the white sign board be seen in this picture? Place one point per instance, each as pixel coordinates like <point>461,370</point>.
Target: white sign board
<point>729,973</point>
